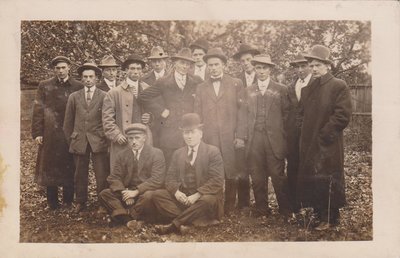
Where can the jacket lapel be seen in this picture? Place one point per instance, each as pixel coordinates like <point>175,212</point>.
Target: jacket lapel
<point>94,98</point>
<point>210,91</point>
<point>222,87</point>
<point>144,155</point>
<point>199,163</point>
<point>271,89</point>
<point>181,163</point>
<point>253,93</point>
<point>82,98</point>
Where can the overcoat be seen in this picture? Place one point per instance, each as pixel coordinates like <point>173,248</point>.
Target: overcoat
<point>103,85</point>
<point>55,164</point>
<point>219,114</point>
<point>326,111</point>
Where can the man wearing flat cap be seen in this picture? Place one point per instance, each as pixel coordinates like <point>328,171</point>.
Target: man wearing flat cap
<point>326,111</point>
<point>109,71</point>
<point>122,108</point>
<point>217,103</point>
<point>139,171</point>
<point>199,49</point>
<point>55,165</point>
<point>177,90</point>
<point>264,118</point>
<point>244,55</point>
<point>194,182</point>
<point>83,129</point>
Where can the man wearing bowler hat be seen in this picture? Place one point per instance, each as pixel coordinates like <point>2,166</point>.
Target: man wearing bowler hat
<point>139,170</point>
<point>55,166</point>
<point>177,90</point>
<point>194,182</point>
<point>326,111</point>
<point>199,49</point>
<point>122,108</point>
<point>264,119</point>
<point>110,70</point>
<point>84,132</point>
<point>217,102</point>
<point>244,55</point>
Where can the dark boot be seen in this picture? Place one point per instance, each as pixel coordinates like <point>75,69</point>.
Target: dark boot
<point>230,195</point>
<point>243,193</point>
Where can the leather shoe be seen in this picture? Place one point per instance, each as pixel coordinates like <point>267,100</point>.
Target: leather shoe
<point>80,207</point>
<point>167,229</point>
<point>135,224</point>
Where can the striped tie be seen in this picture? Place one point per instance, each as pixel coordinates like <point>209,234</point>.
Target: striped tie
<point>88,96</point>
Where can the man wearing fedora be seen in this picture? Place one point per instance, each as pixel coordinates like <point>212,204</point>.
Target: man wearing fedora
<point>139,171</point>
<point>199,49</point>
<point>244,55</point>
<point>55,166</point>
<point>303,79</point>
<point>264,117</point>
<point>326,111</point>
<point>84,132</point>
<point>109,71</point>
<point>177,90</point>
<point>217,102</point>
<point>194,182</point>
<point>122,108</point>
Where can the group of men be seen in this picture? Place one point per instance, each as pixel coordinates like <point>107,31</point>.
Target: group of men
<point>181,146</point>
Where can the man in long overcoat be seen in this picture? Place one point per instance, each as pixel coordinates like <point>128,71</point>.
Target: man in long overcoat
<point>55,165</point>
<point>109,71</point>
<point>217,102</point>
<point>326,111</point>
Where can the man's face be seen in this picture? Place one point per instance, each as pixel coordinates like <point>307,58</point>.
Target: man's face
<point>245,62</point>
<point>182,66</point>
<point>88,78</point>
<point>192,137</point>
<point>134,71</point>
<point>197,55</point>
<point>110,73</point>
<point>303,70</point>
<point>136,141</point>
<point>62,70</point>
<point>215,66</point>
<point>318,68</point>
<point>262,71</point>
<point>158,64</point>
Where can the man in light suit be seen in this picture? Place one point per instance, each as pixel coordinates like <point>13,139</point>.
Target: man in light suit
<point>266,108</point>
<point>199,49</point>
<point>194,182</point>
<point>110,70</point>
<point>139,170</point>
<point>84,132</point>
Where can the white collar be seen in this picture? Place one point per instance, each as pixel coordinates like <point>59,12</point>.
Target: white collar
<point>180,76</point>
<point>307,79</point>
<point>92,89</point>
<point>63,80</point>
<point>139,151</point>
<point>132,83</point>
<point>195,148</point>
<point>253,73</point>
<point>160,74</point>
<point>200,68</point>
<point>265,82</point>
<point>110,83</point>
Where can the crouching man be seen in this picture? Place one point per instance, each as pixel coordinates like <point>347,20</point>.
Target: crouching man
<point>194,182</point>
<point>138,171</point>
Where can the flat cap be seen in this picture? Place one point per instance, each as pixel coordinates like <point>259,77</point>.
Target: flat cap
<point>59,59</point>
<point>136,128</point>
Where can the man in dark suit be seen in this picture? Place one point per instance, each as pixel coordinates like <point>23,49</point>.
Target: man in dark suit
<point>265,114</point>
<point>84,132</point>
<point>139,171</point>
<point>110,70</point>
<point>55,165</point>
<point>217,102</point>
<point>177,91</point>
<point>244,55</point>
<point>194,182</point>
<point>199,49</point>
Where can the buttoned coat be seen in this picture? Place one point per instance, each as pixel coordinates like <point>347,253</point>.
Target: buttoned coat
<point>55,164</point>
<point>219,114</point>
<point>326,111</point>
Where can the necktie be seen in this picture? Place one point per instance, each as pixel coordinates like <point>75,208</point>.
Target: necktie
<point>135,155</point>
<point>190,156</point>
<point>217,79</point>
<point>88,96</point>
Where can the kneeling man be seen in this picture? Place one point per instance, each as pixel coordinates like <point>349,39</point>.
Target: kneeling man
<point>194,182</point>
<point>138,171</point>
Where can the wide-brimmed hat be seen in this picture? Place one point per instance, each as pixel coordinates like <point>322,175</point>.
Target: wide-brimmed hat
<point>200,43</point>
<point>59,59</point>
<point>190,121</point>
<point>157,53</point>
<point>215,52</point>
<point>262,59</point>
<point>136,128</point>
<point>89,66</point>
<point>108,61</point>
<point>133,59</point>
<point>245,48</point>
<point>298,59</point>
<point>184,54</point>
<point>319,52</point>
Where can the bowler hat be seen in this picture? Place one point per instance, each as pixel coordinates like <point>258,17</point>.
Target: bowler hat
<point>89,66</point>
<point>157,53</point>
<point>298,59</point>
<point>245,48</point>
<point>215,52</point>
<point>319,52</point>
<point>108,61</point>
<point>59,59</point>
<point>184,54</point>
<point>190,121</point>
<point>133,59</point>
<point>262,59</point>
<point>136,128</point>
<point>200,43</point>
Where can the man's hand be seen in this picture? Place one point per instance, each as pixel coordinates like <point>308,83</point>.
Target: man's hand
<point>165,113</point>
<point>129,194</point>
<point>146,118</point>
<point>121,139</point>
<point>39,140</point>
<point>193,198</point>
<point>130,201</point>
<point>238,143</point>
<point>181,197</point>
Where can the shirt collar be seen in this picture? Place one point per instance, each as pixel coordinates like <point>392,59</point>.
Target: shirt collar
<point>63,80</point>
<point>92,89</point>
<point>251,75</point>
<point>218,77</point>
<point>195,148</point>
<point>265,82</point>
<point>110,83</point>
<point>307,79</point>
<point>179,76</point>
<point>132,83</point>
<point>160,74</point>
<point>139,151</point>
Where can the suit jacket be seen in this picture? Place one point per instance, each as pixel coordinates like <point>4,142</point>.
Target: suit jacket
<point>83,124</point>
<point>153,106</point>
<point>150,169</point>
<point>242,77</point>
<point>276,116</point>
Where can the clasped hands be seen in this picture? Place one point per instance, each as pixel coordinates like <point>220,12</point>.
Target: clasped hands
<point>129,195</point>
<point>187,200</point>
